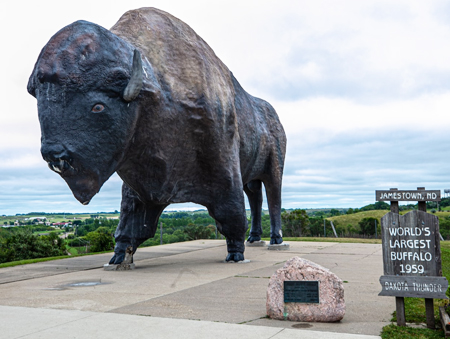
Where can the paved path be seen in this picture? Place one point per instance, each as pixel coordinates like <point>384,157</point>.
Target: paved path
<point>187,290</point>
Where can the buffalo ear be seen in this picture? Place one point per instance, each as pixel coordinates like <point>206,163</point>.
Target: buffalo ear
<point>137,75</point>
<point>31,87</point>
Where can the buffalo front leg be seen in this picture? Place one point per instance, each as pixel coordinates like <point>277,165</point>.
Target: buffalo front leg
<point>138,222</point>
<point>253,189</point>
<point>231,220</point>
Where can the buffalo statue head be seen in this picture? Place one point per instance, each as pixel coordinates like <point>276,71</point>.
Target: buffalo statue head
<point>86,82</point>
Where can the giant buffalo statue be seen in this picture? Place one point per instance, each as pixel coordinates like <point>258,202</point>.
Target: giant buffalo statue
<point>151,101</point>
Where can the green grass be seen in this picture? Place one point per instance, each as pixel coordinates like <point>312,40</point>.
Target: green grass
<point>415,311</point>
<point>30,261</point>
<point>72,251</point>
<point>394,332</point>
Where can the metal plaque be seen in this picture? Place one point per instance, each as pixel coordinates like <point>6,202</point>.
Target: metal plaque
<point>301,292</point>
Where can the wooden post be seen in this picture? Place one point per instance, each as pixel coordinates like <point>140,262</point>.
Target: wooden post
<point>399,301</point>
<point>376,232</point>
<point>429,308</point>
<point>400,308</point>
<point>422,205</point>
<point>429,305</point>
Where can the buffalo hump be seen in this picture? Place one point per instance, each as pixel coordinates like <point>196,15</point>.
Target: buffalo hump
<point>179,57</point>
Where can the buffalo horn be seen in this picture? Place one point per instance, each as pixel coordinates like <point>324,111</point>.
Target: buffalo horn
<point>135,85</point>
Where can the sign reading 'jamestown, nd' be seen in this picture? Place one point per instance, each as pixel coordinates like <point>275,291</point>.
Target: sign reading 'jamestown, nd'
<point>429,195</point>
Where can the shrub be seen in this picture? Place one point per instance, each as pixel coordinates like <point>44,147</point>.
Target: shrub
<point>294,223</point>
<point>367,226</point>
<point>194,232</point>
<point>25,245</point>
<point>100,241</point>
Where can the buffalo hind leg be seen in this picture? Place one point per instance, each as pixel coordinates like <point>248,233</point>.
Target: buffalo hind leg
<point>231,221</point>
<point>273,192</point>
<point>138,222</point>
<point>253,189</point>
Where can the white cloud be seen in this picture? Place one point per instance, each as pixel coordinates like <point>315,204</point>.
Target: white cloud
<point>428,112</point>
<point>21,160</point>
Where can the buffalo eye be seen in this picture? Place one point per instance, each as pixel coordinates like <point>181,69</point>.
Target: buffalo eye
<point>98,108</point>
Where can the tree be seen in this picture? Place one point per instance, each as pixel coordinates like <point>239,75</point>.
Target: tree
<point>316,226</point>
<point>194,232</point>
<point>24,244</point>
<point>379,205</point>
<point>334,212</point>
<point>382,205</point>
<point>294,223</point>
<point>100,240</point>
<point>367,226</point>
<point>444,227</point>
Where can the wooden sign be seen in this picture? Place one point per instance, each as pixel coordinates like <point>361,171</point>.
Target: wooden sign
<point>411,252</point>
<point>301,292</point>
<point>419,195</point>
<point>411,244</point>
<point>412,256</point>
<point>414,287</point>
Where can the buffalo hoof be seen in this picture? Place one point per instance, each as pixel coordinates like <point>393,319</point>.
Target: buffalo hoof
<point>122,251</point>
<point>117,258</point>
<point>276,240</point>
<point>253,238</point>
<point>235,256</point>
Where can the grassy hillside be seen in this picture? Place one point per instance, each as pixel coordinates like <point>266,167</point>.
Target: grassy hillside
<point>354,219</point>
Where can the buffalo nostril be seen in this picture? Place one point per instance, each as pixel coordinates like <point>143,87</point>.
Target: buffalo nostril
<point>57,158</point>
<point>54,152</point>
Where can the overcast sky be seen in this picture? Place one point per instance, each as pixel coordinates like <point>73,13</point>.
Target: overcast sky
<point>361,87</point>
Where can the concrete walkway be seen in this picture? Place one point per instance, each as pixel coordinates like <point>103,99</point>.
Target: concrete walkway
<point>187,290</point>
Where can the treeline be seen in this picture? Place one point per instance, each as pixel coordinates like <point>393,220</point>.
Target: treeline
<point>432,206</point>
<point>183,226</point>
<point>64,213</point>
<point>21,244</point>
<point>306,223</point>
<point>177,227</point>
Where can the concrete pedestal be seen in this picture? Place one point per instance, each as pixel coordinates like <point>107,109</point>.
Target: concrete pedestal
<point>120,267</point>
<point>278,247</point>
<point>260,243</point>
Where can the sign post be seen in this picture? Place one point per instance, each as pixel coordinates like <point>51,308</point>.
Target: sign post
<point>411,252</point>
